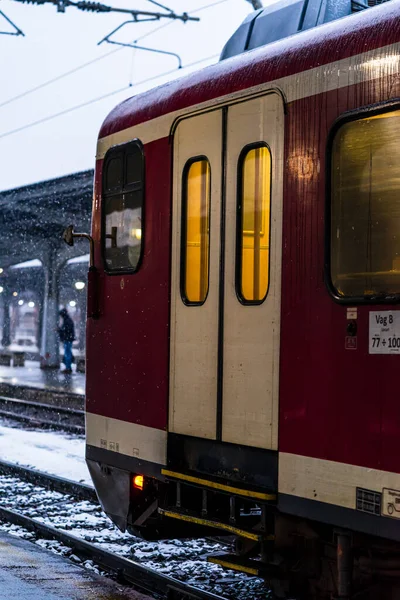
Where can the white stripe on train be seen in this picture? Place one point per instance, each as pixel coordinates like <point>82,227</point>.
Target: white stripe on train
<point>339,74</point>
<point>126,438</point>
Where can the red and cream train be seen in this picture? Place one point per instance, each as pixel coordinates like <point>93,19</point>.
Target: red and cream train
<point>243,370</point>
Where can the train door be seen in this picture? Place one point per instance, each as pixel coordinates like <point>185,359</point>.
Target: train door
<point>226,266</point>
<point>253,250</point>
<point>196,217</point>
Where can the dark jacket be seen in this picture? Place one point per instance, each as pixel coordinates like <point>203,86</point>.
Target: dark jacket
<point>67,330</point>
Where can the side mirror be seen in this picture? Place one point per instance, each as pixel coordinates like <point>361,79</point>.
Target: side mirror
<point>69,238</point>
<point>68,235</point>
<point>93,279</point>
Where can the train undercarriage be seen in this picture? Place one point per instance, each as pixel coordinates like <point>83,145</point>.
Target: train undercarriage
<point>297,558</point>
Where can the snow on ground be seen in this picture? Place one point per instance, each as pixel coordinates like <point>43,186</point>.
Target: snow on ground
<point>63,455</point>
<point>56,453</point>
<point>183,559</point>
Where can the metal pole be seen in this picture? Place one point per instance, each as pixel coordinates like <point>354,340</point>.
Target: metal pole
<point>6,334</point>
<point>49,351</point>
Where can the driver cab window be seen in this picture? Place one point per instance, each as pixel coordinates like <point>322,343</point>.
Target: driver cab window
<point>123,196</point>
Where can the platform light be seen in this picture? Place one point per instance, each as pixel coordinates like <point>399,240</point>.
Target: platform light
<point>72,303</point>
<point>1,289</point>
<point>138,481</point>
<point>137,233</point>
<point>31,304</point>
<point>79,285</point>
<point>20,302</point>
<point>15,294</point>
<point>1,270</point>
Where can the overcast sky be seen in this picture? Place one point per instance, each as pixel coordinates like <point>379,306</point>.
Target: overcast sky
<point>56,43</point>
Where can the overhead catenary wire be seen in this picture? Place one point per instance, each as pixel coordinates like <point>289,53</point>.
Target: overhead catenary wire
<point>58,77</point>
<point>40,86</point>
<point>97,7</point>
<point>142,37</point>
<point>193,12</point>
<point>99,98</point>
<point>78,68</point>
<point>160,5</point>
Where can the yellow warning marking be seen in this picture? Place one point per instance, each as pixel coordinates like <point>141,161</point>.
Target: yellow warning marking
<point>198,521</point>
<point>219,486</point>
<point>230,565</point>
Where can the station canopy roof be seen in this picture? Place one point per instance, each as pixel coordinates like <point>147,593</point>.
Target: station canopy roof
<point>32,215</point>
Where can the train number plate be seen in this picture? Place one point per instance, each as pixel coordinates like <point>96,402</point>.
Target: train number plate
<point>384,332</point>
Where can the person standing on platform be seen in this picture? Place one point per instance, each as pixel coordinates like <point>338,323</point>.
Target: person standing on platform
<point>67,336</point>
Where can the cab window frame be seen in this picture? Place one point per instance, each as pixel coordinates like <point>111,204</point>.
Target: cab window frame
<point>239,229</point>
<point>123,151</point>
<point>183,247</point>
<point>355,114</point>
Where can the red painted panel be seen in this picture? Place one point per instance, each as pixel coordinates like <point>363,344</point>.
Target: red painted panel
<point>337,40</point>
<point>128,346</point>
<point>335,404</point>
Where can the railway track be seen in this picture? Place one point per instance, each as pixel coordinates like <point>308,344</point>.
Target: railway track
<point>47,395</point>
<point>142,578</point>
<point>80,491</point>
<point>43,415</point>
<point>55,513</point>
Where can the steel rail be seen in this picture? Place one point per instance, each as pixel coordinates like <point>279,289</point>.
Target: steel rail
<point>43,422</point>
<point>44,408</point>
<point>31,403</point>
<point>49,481</point>
<point>53,396</point>
<point>139,576</point>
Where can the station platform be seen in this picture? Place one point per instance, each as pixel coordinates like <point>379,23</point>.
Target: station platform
<point>28,572</point>
<point>52,380</point>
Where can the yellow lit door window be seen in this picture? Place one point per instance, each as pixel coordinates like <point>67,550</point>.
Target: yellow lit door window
<point>196,231</point>
<point>254,224</point>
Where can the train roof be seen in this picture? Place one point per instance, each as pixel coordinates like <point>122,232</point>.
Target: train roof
<point>351,35</point>
<point>288,17</point>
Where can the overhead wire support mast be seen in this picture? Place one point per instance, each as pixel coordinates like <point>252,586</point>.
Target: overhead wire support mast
<point>97,7</point>
<point>17,30</point>
<point>136,46</point>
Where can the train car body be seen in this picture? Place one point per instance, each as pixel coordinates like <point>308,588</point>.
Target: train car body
<point>242,374</point>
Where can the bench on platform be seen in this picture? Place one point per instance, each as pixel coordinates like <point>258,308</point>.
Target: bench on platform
<point>18,359</point>
<point>5,359</point>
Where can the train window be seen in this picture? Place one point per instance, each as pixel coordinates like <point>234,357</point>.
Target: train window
<point>133,171</point>
<point>365,207</point>
<point>253,235</point>
<point>195,231</point>
<point>114,174</point>
<point>123,189</point>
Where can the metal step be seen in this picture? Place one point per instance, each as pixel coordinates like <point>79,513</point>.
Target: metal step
<point>218,486</point>
<point>174,513</point>
<point>250,566</point>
